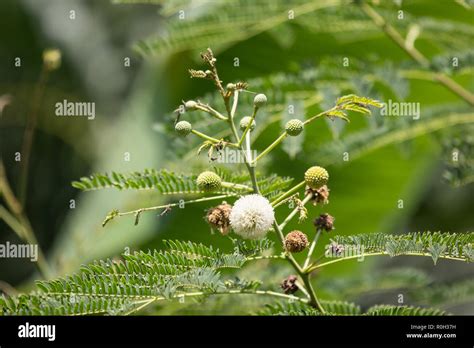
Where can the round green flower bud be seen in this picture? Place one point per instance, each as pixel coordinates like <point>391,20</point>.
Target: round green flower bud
<point>294,127</point>
<point>190,105</point>
<point>183,128</point>
<point>260,100</point>
<point>244,122</point>
<point>316,177</point>
<point>208,181</point>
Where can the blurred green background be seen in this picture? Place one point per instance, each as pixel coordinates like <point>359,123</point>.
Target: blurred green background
<point>294,52</point>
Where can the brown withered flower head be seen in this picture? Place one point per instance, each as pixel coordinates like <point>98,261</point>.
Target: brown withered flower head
<point>218,217</point>
<point>296,241</point>
<point>320,195</point>
<point>289,285</point>
<point>324,222</point>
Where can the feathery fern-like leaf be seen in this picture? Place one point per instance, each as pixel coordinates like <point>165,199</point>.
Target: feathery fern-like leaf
<point>403,311</point>
<point>163,181</point>
<point>124,286</point>
<point>457,246</point>
<point>298,308</point>
<point>223,23</point>
<point>169,183</point>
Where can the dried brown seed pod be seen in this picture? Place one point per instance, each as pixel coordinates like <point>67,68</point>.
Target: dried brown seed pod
<point>218,217</point>
<point>296,241</point>
<point>289,285</point>
<point>325,222</point>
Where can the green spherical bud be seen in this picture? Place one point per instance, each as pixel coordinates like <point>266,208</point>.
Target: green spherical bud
<point>294,127</point>
<point>316,177</point>
<point>190,105</point>
<point>260,100</point>
<point>231,86</point>
<point>244,122</point>
<point>208,181</point>
<point>183,128</point>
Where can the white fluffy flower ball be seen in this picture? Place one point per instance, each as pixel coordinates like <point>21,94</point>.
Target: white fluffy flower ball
<point>252,216</point>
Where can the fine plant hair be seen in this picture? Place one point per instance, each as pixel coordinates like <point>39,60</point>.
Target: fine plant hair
<point>185,269</point>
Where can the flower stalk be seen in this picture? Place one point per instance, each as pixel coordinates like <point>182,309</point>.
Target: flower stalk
<point>249,125</point>
<point>296,210</point>
<point>314,301</point>
<point>312,247</point>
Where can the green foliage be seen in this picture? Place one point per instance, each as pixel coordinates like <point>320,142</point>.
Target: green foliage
<point>187,269</point>
<point>190,269</point>
<point>354,103</point>
<point>457,246</point>
<point>163,181</point>
<point>445,294</point>
<point>122,286</point>
<point>371,139</point>
<point>270,185</point>
<point>169,183</point>
<point>359,103</point>
<point>341,307</point>
<point>347,308</point>
<point>444,62</point>
<point>295,89</point>
<point>419,288</point>
<point>297,308</point>
<point>225,23</point>
<point>403,311</point>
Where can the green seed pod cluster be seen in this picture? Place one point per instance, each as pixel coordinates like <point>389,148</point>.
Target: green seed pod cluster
<point>209,181</point>
<point>244,122</point>
<point>260,100</point>
<point>183,128</point>
<point>294,127</point>
<point>316,177</point>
